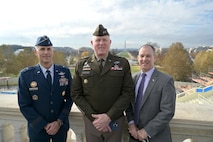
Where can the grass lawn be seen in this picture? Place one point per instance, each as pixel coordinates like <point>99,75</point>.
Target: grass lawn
<point>135,69</point>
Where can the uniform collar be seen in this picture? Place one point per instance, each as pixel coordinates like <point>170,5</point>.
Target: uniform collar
<point>43,69</point>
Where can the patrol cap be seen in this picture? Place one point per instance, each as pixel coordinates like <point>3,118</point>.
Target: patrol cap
<point>43,41</point>
<point>101,31</point>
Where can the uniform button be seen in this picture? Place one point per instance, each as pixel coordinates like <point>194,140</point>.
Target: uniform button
<point>51,103</point>
<point>52,111</point>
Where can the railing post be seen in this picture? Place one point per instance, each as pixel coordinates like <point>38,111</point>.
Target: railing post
<point>7,133</point>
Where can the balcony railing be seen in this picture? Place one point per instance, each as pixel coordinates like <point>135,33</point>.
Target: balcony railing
<point>191,121</point>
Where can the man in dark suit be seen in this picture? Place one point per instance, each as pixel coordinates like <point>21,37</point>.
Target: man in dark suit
<point>149,119</point>
<point>44,96</point>
<point>102,93</point>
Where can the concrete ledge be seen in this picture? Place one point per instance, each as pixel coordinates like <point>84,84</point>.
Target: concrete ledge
<point>193,121</point>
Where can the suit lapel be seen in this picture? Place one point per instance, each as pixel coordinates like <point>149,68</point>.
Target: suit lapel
<point>39,77</point>
<point>137,76</point>
<point>108,65</point>
<point>56,77</point>
<point>92,62</point>
<point>135,80</point>
<point>150,86</point>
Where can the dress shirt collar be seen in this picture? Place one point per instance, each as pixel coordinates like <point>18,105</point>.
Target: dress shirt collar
<point>44,69</point>
<point>149,73</point>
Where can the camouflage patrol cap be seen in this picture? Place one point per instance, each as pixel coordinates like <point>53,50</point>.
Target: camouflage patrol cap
<point>43,41</point>
<point>101,31</point>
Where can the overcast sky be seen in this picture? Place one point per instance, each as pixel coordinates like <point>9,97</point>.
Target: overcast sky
<point>72,22</point>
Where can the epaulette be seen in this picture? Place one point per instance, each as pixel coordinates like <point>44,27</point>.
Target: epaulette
<point>28,68</point>
<point>63,67</point>
<point>116,56</point>
<point>85,58</point>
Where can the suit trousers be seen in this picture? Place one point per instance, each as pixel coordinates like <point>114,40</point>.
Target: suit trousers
<point>93,135</point>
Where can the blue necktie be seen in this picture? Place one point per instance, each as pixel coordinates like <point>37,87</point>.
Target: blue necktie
<point>139,99</point>
<point>49,78</point>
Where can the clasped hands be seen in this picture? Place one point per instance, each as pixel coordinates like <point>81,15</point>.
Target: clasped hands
<point>101,122</point>
<point>138,134</point>
<point>52,128</point>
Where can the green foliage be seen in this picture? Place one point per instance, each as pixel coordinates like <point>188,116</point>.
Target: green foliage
<point>11,64</point>
<point>124,54</point>
<point>135,69</point>
<point>72,70</point>
<point>24,59</point>
<point>203,62</point>
<point>177,62</point>
<point>59,58</point>
<point>7,59</point>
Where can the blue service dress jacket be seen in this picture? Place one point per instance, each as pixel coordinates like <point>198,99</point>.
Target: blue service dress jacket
<point>41,104</point>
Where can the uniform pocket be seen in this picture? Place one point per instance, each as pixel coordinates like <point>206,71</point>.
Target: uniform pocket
<point>116,78</point>
<point>87,78</point>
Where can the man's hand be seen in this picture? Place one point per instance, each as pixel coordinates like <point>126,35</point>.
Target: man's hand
<point>52,128</point>
<point>101,122</point>
<point>133,130</point>
<point>142,135</point>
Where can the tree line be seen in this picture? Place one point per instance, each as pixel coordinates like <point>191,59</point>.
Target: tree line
<point>11,64</point>
<point>177,61</point>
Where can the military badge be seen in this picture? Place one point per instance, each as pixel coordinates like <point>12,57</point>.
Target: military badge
<point>116,62</point>
<point>85,81</point>
<point>116,66</point>
<point>63,81</point>
<point>35,97</point>
<point>61,73</point>
<point>86,72</point>
<point>33,84</point>
<point>86,67</point>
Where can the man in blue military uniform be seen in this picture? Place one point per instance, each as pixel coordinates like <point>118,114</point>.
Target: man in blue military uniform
<point>44,96</point>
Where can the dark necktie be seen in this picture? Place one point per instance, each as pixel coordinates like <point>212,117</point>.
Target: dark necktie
<point>139,99</point>
<point>101,64</point>
<point>49,78</point>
